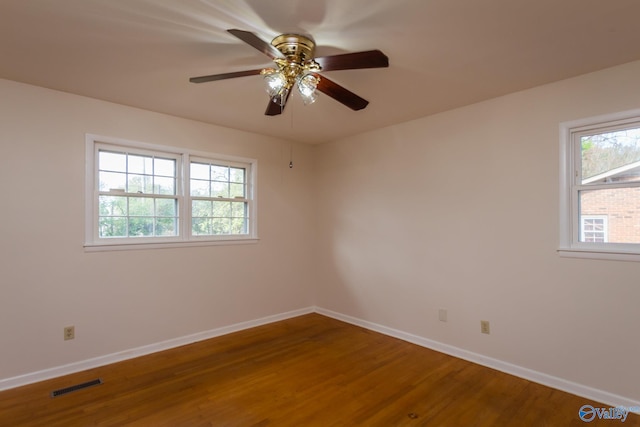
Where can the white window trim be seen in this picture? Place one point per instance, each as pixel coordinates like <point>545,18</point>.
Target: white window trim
<point>93,244</point>
<point>570,245</point>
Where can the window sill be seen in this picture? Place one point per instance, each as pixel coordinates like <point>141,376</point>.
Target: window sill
<point>599,254</point>
<point>104,247</point>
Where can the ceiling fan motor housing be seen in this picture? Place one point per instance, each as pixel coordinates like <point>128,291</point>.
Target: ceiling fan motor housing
<point>295,47</point>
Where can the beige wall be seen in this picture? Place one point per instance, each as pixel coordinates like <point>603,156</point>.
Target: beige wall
<point>123,300</point>
<point>456,211</point>
<point>460,211</point>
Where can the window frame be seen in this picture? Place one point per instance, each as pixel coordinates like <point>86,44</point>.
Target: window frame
<point>184,158</point>
<point>231,164</point>
<point>570,187</point>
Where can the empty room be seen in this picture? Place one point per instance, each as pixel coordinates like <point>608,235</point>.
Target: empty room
<point>320,213</point>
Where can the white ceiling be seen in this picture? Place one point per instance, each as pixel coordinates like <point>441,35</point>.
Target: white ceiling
<point>443,53</point>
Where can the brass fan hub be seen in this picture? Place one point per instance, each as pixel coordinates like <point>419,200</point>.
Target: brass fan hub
<point>295,47</point>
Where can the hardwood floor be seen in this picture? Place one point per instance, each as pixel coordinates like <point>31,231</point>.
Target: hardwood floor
<point>306,371</point>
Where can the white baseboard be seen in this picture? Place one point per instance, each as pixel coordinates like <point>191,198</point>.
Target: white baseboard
<point>590,393</point>
<point>96,362</point>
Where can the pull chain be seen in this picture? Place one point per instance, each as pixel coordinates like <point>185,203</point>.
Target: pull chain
<point>291,146</point>
<point>291,156</point>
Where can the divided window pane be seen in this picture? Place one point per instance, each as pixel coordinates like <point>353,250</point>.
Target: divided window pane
<point>128,184</point>
<point>220,204</point>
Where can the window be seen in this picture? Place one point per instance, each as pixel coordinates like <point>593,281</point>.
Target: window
<point>593,229</point>
<point>137,194</point>
<point>155,196</point>
<point>219,204</point>
<point>600,187</point>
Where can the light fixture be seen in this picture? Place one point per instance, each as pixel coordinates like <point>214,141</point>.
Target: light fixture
<point>307,84</point>
<point>296,68</point>
<point>277,85</point>
<point>274,81</point>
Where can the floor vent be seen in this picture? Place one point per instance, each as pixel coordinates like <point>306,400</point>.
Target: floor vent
<point>66,390</point>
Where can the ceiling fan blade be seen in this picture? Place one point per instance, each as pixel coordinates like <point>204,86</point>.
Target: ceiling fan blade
<point>341,94</point>
<point>274,108</point>
<point>214,77</point>
<point>352,61</point>
<point>256,42</point>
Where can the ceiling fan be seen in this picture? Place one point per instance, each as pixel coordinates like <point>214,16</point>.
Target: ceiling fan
<point>293,55</point>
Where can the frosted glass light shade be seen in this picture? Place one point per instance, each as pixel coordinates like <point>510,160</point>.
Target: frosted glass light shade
<point>307,87</point>
<point>274,81</point>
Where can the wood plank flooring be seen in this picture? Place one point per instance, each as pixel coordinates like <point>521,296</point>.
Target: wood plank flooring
<point>306,371</point>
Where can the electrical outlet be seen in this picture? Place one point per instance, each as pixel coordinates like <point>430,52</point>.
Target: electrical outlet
<point>442,315</point>
<point>69,332</point>
<point>484,327</point>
